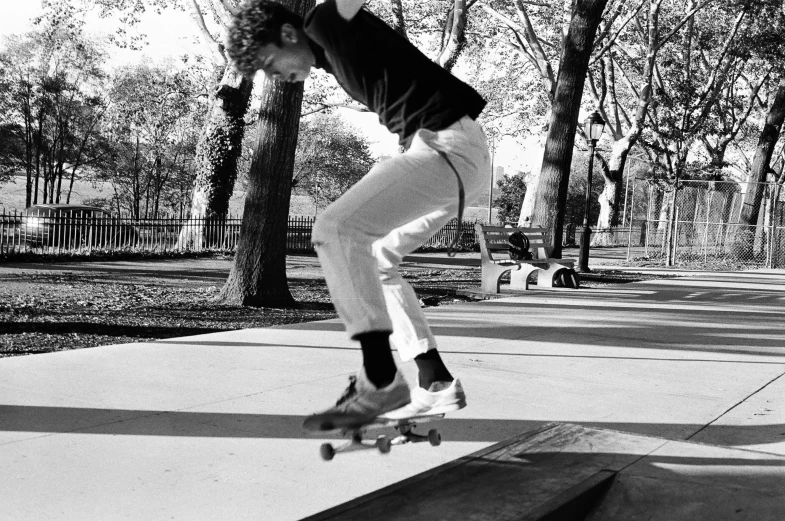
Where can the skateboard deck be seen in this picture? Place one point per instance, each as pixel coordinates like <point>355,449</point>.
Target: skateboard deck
<point>355,430</point>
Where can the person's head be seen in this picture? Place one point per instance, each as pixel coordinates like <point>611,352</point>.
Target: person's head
<point>269,37</point>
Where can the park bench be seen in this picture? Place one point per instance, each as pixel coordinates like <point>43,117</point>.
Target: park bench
<point>496,261</point>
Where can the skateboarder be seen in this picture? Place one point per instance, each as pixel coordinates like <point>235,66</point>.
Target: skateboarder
<point>362,237</point>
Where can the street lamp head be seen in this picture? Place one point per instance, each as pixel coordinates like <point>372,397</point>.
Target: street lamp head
<point>593,126</point>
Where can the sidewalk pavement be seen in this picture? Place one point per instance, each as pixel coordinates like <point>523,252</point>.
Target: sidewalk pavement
<point>208,427</point>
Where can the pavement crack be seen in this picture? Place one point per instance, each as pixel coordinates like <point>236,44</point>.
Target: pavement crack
<point>715,420</point>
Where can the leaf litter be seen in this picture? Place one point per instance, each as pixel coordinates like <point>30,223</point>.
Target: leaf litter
<point>48,312</point>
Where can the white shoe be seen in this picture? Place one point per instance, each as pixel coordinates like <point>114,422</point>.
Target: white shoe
<point>361,402</point>
<point>427,403</point>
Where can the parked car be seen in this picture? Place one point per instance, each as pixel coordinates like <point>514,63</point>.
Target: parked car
<point>75,226</point>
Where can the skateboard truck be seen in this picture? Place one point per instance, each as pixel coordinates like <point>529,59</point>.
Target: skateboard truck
<point>383,443</point>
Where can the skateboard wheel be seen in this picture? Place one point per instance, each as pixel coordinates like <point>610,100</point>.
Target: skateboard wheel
<point>327,451</point>
<point>383,444</point>
<point>434,438</point>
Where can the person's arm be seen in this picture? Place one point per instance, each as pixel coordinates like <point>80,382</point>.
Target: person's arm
<point>349,8</point>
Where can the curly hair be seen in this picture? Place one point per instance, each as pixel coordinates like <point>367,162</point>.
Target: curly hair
<point>257,23</point>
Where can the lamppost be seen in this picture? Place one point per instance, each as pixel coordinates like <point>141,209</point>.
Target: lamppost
<point>593,127</point>
<point>316,206</point>
<point>490,188</point>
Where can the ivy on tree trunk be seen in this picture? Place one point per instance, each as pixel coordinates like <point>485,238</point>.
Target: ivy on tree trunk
<point>217,154</point>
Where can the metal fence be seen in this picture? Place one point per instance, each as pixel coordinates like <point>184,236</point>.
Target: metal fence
<point>36,233</point>
<point>700,223</point>
<point>696,224</point>
<point>50,234</point>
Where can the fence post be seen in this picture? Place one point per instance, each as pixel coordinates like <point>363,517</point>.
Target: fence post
<point>769,244</point>
<point>632,212</point>
<point>675,235</point>
<point>710,197</point>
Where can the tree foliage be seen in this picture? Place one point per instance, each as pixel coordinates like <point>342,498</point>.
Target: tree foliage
<point>512,189</point>
<point>152,125</point>
<point>52,88</point>
<point>331,156</point>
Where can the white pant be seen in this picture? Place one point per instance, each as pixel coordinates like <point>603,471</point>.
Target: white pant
<point>362,237</point>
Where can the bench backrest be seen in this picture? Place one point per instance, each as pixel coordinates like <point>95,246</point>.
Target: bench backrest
<point>493,241</point>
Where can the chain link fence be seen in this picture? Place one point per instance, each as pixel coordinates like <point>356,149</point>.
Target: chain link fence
<point>700,223</point>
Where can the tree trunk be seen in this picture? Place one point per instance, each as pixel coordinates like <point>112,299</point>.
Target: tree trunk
<point>551,197</point>
<point>717,155</point>
<point>760,167</point>
<point>217,154</point>
<point>60,170</point>
<point>454,35</point>
<point>258,275</point>
<point>532,182</point>
<point>28,151</point>
<point>610,198</point>
<point>398,21</point>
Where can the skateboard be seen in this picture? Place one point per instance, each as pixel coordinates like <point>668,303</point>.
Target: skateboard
<point>405,426</point>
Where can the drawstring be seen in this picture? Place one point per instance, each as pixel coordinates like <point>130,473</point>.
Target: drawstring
<point>461,200</point>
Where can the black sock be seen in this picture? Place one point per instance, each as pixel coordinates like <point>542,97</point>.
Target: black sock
<point>377,357</point>
<point>432,369</point>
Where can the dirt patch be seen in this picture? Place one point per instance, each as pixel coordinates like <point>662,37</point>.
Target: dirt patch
<point>45,308</point>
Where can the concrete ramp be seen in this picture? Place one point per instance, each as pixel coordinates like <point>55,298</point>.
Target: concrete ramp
<point>565,472</point>
<point>684,481</point>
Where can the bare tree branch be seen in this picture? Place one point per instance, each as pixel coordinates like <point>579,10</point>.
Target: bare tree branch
<point>499,16</point>
<point>615,35</point>
<point>752,97</point>
<point>455,35</point>
<point>712,88</point>
<point>215,46</point>
<point>750,85</point>
<point>328,106</point>
<point>683,21</point>
<point>530,35</point>
<point>516,30</point>
<point>220,12</point>
<point>605,25</point>
<point>628,82</point>
<point>231,8</point>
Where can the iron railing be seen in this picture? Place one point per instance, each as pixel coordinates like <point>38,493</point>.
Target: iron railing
<point>65,234</point>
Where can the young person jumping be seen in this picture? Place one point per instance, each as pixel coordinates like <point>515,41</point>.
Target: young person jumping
<point>362,237</point>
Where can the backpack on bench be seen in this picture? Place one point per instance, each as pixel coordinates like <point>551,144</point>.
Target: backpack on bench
<point>519,246</point>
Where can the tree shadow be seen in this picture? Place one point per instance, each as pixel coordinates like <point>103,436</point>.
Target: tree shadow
<point>44,419</point>
<point>111,330</point>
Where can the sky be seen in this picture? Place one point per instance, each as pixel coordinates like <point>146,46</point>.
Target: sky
<point>15,15</point>
<point>169,34</point>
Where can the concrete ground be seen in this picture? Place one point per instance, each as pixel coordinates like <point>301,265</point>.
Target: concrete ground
<point>208,427</point>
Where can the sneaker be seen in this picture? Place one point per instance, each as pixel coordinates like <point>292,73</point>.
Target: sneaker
<point>361,402</point>
<point>440,398</point>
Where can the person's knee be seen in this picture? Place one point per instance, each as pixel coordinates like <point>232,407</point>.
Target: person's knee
<point>325,229</point>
